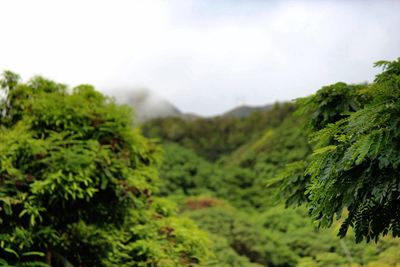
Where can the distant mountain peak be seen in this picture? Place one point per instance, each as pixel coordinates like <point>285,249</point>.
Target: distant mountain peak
<point>245,111</point>
<point>146,104</point>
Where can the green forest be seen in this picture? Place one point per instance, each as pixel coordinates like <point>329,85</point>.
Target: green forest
<point>309,183</point>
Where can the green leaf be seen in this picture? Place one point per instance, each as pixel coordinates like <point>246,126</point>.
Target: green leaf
<point>33,253</point>
<point>11,251</point>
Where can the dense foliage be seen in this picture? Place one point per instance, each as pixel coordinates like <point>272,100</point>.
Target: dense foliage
<point>354,131</point>
<point>356,163</point>
<point>212,138</point>
<point>78,181</point>
<point>79,185</point>
<point>239,193</point>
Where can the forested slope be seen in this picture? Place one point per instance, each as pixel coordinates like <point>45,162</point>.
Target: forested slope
<point>231,200</point>
<point>311,183</point>
<point>234,177</point>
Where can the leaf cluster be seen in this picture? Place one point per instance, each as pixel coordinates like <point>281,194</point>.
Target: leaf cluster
<point>77,183</point>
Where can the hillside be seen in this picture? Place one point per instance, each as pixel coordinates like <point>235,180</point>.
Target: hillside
<point>217,136</point>
<point>312,183</point>
<point>223,172</point>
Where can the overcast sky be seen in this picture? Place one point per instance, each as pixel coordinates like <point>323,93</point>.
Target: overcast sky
<point>205,56</point>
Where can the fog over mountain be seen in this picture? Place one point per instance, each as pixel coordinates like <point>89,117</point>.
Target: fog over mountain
<point>146,104</point>
<point>202,55</point>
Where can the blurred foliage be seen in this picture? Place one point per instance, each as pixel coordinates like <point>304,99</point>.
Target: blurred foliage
<point>237,191</point>
<point>212,138</point>
<point>184,172</point>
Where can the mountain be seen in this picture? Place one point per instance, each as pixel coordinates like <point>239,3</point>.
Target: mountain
<point>245,111</point>
<point>147,105</point>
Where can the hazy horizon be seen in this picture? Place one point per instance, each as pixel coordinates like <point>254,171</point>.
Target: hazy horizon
<point>205,57</point>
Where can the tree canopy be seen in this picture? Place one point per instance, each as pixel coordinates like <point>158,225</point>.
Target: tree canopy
<point>81,186</point>
<point>355,134</point>
<point>77,183</point>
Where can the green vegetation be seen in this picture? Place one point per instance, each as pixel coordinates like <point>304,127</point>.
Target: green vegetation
<point>78,182</point>
<point>355,163</point>
<point>215,137</point>
<point>305,184</point>
<point>302,157</point>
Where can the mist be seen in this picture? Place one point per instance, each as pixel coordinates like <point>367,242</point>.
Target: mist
<point>205,57</point>
<point>146,104</point>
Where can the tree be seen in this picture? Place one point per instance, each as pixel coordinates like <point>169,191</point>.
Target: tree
<point>77,183</point>
<point>328,105</point>
<point>356,159</point>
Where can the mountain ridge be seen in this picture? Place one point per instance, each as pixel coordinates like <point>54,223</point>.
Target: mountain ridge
<point>148,106</point>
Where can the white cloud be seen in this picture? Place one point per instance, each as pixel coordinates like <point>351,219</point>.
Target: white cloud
<point>201,55</point>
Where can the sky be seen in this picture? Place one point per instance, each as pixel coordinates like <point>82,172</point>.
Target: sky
<point>204,56</point>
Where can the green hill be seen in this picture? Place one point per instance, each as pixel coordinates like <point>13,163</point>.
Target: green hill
<point>222,170</point>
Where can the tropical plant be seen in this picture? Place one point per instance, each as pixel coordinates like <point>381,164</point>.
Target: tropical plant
<point>77,182</point>
<point>354,131</point>
<point>356,163</point>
